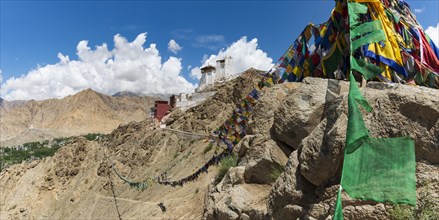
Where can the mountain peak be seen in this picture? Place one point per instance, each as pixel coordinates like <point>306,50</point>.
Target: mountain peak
<point>87,92</point>
<point>125,93</point>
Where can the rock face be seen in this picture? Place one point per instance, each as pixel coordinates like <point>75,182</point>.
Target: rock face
<point>306,122</point>
<point>210,114</point>
<point>308,187</point>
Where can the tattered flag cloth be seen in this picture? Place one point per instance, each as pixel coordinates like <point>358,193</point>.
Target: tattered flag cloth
<point>382,33</point>
<point>378,169</point>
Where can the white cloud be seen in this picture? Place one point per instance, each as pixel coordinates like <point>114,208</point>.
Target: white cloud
<point>196,72</point>
<point>1,76</point>
<point>174,47</point>
<point>419,10</point>
<point>245,54</point>
<point>62,58</point>
<point>129,66</point>
<point>433,33</point>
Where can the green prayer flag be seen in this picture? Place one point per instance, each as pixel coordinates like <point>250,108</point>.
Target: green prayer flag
<point>354,10</point>
<point>368,70</point>
<point>382,170</point>
<point>338,215</point>
<point>373,37</point>
<point>378,169</point>
<point>356,129</point>
<point>366,28</point>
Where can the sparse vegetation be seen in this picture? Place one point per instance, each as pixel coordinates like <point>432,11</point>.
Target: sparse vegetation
<point>225,165</point>
<point>197,190</point>
<point>207,148</point>
<point>12,207</point>
<point>426,209</point>
<point>31,151</point>
<point>187,155</point>
<point>93,136</point>
<point>176,155</point>
<point>276,172</point>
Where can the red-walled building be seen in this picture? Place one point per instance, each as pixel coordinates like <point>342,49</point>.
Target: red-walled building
<point>160,109</point>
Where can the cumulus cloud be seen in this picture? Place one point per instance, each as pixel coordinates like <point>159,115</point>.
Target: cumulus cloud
<point>244,55</point>
<point>128,66</point>
<point>196,72</point>
<point>174,47</point>
<point>433,32</point>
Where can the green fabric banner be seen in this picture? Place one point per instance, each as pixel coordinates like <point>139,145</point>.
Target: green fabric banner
<point>332,60</point>
<point>366,28</point>
<point>378,169</point>
<point>373,37</point>
<point>354,10</point>
<point>356,130</point>
<point>368,70</point>
<point>382,170</point>
<point>338,215</point>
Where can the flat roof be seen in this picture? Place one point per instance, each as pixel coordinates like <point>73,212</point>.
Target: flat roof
<point>207,67</point>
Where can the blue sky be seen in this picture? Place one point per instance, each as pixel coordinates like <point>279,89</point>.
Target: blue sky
<point>34,32</point>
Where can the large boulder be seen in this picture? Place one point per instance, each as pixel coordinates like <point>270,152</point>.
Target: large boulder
<point>290,193</point>
<point>399,110</point>
<point>320,153</point>
<point>304,108</point>
<point>263,161</point>
<point>233,199</point>
<point>266,109</point>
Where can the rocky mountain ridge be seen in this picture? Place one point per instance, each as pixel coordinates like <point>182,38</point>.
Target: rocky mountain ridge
<point>82,113</point>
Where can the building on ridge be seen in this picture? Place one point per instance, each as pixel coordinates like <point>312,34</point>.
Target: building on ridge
<point>160,109</point>
<point>211,75</point>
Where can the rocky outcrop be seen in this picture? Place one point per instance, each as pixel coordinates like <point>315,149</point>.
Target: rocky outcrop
<point>292,192</point>
<point>243,192</point>
<point>306,122</point>
<point>399,110</point>
<point>303,109</point>
<point>210,114</point>
<point>232,198</point>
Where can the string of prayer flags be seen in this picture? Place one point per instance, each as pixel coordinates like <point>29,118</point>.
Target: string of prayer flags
<point>138,185</point>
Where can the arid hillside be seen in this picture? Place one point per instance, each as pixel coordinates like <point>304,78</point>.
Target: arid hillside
<point>288,166</point>
<point>82,113</point>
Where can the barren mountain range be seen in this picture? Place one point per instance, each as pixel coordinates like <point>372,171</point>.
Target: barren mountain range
<point>85,112</point>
